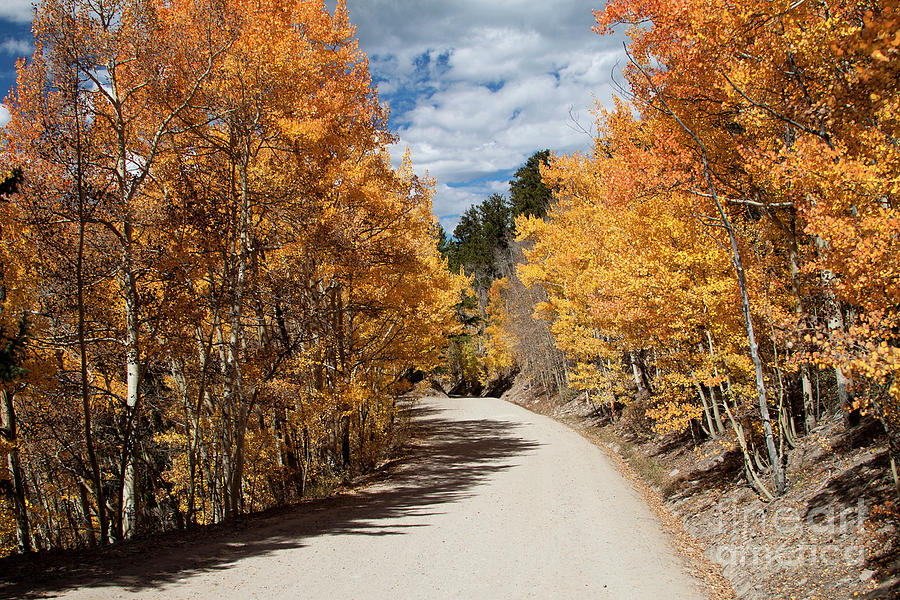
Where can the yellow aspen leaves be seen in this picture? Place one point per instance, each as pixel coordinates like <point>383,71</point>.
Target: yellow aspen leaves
<point>218,216</point>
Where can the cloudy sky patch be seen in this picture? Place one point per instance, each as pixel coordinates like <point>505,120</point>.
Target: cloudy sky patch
<point>16,47</point>
<point>475,89</point>
<point>16,11</point>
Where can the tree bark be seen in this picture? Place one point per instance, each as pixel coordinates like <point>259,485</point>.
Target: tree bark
<point>132,397</point>
<point>725,223</point>
<point>774,458</point>
<point>96,474</point>
<point>810,415</point>
<point>85,506</point>
<point>639,374</point>
<point>10,434</point>
<point>710,426</point>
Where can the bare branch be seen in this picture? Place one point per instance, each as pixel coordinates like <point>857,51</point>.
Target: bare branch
<point>747,202</point>
<point>819,134</point>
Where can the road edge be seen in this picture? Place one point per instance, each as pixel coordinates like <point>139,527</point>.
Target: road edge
<point>697,564</point>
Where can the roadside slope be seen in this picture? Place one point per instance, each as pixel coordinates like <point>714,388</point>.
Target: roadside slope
<point>497,502</point>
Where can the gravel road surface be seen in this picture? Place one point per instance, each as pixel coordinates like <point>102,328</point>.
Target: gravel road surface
<point>496,502</point>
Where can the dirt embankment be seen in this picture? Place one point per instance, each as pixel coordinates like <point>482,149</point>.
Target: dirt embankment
<point>832,535</point>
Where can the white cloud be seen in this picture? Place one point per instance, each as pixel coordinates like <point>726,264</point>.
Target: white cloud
<point>18,11</point>
<point>16,47</point>
<point>457,200</point>
<point>4,116</point>
<point>475,88</point>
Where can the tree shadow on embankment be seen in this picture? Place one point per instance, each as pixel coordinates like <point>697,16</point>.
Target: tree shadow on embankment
<point>452,458</point>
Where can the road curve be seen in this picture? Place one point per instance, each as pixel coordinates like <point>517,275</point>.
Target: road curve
<point>496,503</point>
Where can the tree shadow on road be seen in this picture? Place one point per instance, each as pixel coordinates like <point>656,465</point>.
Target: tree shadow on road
<point>447,462</point>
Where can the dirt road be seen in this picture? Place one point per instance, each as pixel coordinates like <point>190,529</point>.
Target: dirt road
<point>496,502</point>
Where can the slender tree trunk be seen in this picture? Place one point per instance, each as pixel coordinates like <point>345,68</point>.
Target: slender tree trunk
<point>774,458</point>
<point>227,470</point>
<point>780,482</point>
<point>835,322</point>
<point>640,377</point>
<point>752,477</point>
<point>345,440</point>
<point>132,397</point>
<point>236,419</point>
<point>96,474</point>
<point>717,414</point>
<point>237,470</point>
<point>893,435</point>
<point>126,187</point>
<point>712,431</point>
<point>277,487</point>
<point>10,434</point>
<point>805,382</point>
<point>85,505</point>
<point>204,355</point>
<point>40,532</point>
<point>85,390</point>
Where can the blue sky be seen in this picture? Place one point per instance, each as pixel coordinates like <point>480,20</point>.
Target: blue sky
<point>15,42</point>
<point>474,86</point>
